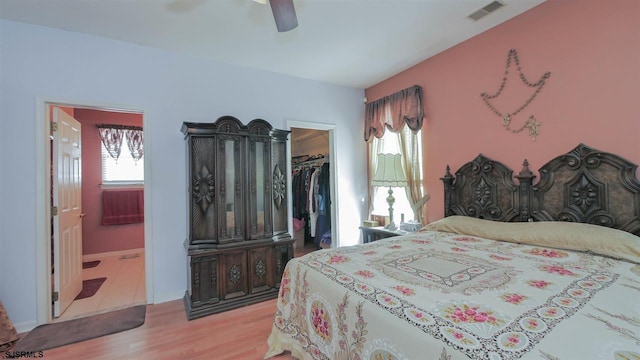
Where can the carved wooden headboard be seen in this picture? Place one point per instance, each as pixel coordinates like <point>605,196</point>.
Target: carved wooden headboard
<point>584,185</point>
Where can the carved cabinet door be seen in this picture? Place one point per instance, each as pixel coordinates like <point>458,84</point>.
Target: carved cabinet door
<point>279,188</point>
<point>261,271</point>
<point>235,274</point>
<point>202,195</point>
<point>204,280</point>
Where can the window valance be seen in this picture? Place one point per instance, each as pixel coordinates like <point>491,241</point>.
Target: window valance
<point>393,111</point>
<point>112,136</point>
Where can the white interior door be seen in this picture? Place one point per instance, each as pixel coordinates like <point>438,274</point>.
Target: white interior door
<point>67,202</point>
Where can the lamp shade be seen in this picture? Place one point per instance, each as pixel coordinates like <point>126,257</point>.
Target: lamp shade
<point>389,171</point>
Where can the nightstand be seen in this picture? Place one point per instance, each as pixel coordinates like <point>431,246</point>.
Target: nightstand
<point>371,234</point>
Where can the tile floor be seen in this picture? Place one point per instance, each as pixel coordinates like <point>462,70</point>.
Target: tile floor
<point>125,286</point>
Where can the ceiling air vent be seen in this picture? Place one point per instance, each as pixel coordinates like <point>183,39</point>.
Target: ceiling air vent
<point>493,6</point>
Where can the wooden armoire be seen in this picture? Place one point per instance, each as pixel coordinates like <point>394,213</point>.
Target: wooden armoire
<point>238,241</point>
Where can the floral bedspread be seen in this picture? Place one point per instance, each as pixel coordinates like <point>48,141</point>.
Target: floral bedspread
<point>437,295</point>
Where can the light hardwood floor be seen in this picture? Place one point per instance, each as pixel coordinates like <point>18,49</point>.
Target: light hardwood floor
<point>167,334</point>
<point>239,334</point>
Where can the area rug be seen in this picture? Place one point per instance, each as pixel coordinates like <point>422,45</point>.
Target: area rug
<point>90,264</point>
<point>53,335</point>
<point>90,287</point>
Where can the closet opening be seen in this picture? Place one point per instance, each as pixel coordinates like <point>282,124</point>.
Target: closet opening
<point>312,193</point>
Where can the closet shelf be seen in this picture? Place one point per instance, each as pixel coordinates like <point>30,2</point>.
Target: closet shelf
<point>319,161</point>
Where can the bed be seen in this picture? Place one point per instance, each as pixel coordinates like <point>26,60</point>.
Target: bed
<point>516,270</point>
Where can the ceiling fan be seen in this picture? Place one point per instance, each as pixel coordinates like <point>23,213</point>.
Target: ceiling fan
<point>283,13</point>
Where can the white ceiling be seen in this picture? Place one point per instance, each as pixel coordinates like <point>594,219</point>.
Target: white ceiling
<point>355,43</point>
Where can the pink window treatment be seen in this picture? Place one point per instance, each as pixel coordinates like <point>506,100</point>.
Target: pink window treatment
<point>393,112</point>
<point>122,206</point>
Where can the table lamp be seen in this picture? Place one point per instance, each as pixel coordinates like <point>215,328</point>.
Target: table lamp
<point>390,173</point>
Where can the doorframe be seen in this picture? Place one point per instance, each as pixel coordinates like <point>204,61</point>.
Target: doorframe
<point>43,211</point>
<point>333,174</point>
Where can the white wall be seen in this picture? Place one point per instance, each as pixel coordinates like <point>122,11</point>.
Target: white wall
<point>42,63</point>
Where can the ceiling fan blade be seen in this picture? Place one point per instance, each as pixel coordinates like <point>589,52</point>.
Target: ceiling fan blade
<point>284,14</point>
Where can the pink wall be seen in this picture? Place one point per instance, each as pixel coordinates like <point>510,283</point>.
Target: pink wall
<point>68,110</point>
<point>96,237</point>
<point>591,48</point>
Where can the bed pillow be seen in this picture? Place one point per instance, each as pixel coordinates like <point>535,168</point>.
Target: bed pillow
<point>558,234</point>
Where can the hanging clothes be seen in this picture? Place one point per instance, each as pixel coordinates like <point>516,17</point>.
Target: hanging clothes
<point>323,222</point>
<point>311,203</point>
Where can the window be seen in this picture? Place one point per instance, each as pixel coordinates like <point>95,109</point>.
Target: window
<point>125,171</point>
<point>391,144</point>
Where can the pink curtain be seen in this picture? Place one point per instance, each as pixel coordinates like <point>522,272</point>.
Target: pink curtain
<point>393,112</point>
<point>122,206</point>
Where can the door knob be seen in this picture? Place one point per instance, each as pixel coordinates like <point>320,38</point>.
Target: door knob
<point>82,215</point>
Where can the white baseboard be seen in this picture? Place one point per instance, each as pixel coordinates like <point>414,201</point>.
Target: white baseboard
<point>25,326</point>
<point>167,297</point>
<point>90,257</point>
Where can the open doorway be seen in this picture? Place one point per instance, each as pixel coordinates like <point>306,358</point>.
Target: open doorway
<point>109,256</point>
<point>313,215</point>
